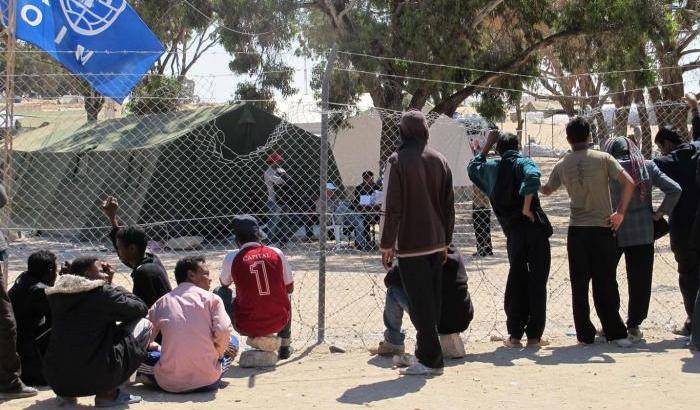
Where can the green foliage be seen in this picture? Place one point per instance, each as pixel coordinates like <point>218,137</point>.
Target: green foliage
<point>249,91</point>
<point>491,107</point>
<point>156,95</point>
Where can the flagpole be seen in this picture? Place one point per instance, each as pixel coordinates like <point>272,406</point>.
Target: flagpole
<point>11,40</point>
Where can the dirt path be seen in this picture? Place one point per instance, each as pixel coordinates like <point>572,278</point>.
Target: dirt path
<point>657,374</point>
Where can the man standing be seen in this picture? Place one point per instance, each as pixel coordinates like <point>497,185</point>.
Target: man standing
<point>148,274</point>
<point>363,203</point>
<point>275,178</point>
<point>11,387</point>
<point>679,162</point>
<point>511,184</point>
<point>196,333</point>
<point>417,226</point>
<point>591,242</point>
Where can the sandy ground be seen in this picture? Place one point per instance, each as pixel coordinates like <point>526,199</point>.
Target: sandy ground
<point>656,374</point>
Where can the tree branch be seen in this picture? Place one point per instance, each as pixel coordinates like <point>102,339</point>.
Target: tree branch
<point>450,104</point>
<point>483,13</point>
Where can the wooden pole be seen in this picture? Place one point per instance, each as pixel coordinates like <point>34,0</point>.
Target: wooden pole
<point>10,43</point>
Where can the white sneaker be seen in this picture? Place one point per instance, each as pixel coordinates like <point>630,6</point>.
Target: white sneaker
<point>452,346</point>
<point>635,335</point>
<point>404,360</point>
<point>624,342</point>
<point>419,369</point>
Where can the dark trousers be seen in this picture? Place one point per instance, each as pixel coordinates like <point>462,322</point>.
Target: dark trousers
<point>639,261</point>
<point>422,280</point>
<point>9,360</point>
<point>481,220</point>
<point>592,257</point>
<point>688,277</point>
<point>226,294</point>
<point>526,290</point>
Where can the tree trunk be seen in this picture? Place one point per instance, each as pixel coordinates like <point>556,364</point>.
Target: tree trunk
<point>520,121</point>
<point>93,105</point>
<point>644,124</point>
<point>602,132</point>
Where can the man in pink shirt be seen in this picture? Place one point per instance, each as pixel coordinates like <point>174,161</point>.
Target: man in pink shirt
<point>197,345</point>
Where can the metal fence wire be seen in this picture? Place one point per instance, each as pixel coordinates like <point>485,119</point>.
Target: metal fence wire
<point>182,168</point>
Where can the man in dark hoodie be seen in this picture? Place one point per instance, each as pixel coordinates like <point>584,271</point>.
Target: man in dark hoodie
<point>89,353</point>
<point>680,161</point>
<point>33,314</point>
<point>148,274</point>
<point>511,183</point>
<point>417,225</point>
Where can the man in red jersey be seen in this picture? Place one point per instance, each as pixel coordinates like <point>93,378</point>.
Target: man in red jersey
<point>263,281</point>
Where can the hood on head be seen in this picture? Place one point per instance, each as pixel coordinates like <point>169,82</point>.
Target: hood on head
<point>68,284</point>
<point>414,127</point>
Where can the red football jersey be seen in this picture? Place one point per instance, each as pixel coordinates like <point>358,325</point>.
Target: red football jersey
<point>261,306</point>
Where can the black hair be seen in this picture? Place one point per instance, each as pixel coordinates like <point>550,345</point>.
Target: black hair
<point>81,265</point>
<point>185,265</point>
<point>668,133</point>
<point>42,265</point>
<point>367,174</point>
<point>507,142</point>
<point>245,237</point>
<point>578,130</point>
<point>133,235</point>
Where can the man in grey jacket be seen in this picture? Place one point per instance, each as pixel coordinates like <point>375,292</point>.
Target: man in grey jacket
<point>11,387</point>
<point>417,225</point>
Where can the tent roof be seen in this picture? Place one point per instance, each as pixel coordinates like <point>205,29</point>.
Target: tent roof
<point>130,132</point>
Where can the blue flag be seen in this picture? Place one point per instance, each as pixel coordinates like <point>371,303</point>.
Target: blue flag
<point>90,37</point>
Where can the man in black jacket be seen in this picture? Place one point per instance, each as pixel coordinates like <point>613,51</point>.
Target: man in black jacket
<point>456,313</point>
<point>89,353</point>
<point>417,225</point>
<point>33,314</point>
<point>148,274</point>
<point>680,162</point>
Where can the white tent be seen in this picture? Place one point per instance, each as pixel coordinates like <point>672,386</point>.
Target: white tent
<point>356,147</point>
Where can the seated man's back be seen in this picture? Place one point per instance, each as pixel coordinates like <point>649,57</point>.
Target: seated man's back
<point>195,329</point>
<point>261,275</point>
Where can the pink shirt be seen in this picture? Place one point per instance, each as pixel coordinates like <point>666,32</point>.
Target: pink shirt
<point>196,332</point>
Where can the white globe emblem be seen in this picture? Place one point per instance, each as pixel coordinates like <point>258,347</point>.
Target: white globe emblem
<point>91,17</point>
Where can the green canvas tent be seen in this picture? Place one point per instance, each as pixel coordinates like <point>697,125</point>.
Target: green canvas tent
<point>180,173</point>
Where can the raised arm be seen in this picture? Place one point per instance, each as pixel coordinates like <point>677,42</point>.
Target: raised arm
<point>672,191</point>
<point>482,172</point>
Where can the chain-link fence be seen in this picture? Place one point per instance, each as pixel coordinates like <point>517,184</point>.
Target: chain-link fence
<point>182,168</point>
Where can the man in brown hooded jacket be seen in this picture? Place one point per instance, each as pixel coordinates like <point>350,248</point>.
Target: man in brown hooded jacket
<point>417,225</point>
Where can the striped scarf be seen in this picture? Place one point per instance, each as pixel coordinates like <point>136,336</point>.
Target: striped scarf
<point>623,148</point>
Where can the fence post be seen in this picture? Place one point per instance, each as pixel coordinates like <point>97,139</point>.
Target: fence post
<point>322,217</point>
<point>9,116</point>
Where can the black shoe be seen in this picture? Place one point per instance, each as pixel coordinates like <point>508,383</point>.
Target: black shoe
<point>19,392</point>
<point>285,352</point>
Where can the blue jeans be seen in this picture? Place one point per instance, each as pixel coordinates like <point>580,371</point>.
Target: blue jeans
<point>396,303</point>
<point>350,218</point>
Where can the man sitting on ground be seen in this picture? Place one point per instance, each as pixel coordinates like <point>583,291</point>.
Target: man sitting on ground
<point>197,343</point>
<point>89,353</point>
<point>148,274</point>
<point>263,281</point>
<point>33,314</point>
<point>456,314</point>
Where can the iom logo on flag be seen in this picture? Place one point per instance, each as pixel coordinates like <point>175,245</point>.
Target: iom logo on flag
<point>91,17</point>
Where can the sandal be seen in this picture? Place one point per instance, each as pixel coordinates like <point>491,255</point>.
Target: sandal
<point>122,399</point>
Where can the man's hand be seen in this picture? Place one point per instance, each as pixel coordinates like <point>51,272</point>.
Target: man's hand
<point>528,214</point>
<point>657,216</point>
<point>107,269</point>
<point>692,101</point>
<point>615,221</point>
<point>444,256</point>
<point>546,190</point>
<point>109,208</point>
<point>491,139</point>
<point>387,258</point>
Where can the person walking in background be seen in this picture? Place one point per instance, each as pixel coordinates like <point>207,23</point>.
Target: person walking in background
<point>511,183</point>
<point>11,386</point>
<point>635,238</point>
<point>99,335</point>
<point>131,242</point>
<point>417,226</point>
<point>679,162</point>
<point>33,314</point>
<point>591,244</point>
